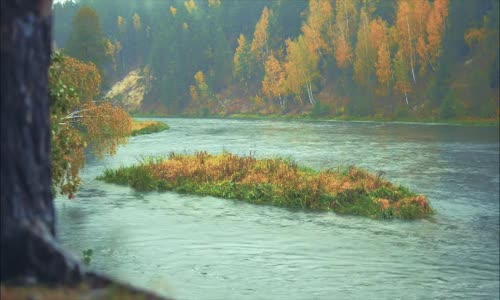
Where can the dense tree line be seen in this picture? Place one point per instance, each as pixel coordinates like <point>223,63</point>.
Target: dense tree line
<point>391,58</point>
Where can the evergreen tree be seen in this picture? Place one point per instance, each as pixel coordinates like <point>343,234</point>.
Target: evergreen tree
<point>86,41</point>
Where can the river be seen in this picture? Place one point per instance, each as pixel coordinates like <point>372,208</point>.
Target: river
<point>193,247</point>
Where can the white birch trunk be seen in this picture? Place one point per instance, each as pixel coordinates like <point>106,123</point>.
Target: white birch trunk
<point>411,52</point>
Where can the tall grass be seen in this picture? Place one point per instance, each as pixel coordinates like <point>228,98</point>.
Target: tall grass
<point>274,181</point>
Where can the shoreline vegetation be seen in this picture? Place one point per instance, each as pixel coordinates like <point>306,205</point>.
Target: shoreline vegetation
<point>309,117</point>
<point>147,127</point>
<point>274,181</point>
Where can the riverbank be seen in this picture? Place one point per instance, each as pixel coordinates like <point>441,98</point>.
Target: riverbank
<point>147,127</point>
<point>309,117</point>
<point>274,181</point>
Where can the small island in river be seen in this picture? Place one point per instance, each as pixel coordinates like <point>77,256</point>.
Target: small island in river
<point>147,127</point>
<point>274,181</point>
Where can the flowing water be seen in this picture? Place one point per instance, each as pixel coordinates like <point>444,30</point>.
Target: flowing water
<point>193,247</point>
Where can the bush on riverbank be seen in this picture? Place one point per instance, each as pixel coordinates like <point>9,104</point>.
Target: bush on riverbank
<point>146,127</point>
<point>275,181</point>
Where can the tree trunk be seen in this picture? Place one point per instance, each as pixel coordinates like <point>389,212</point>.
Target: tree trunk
<point>27,211</point>
<point>29,250</point>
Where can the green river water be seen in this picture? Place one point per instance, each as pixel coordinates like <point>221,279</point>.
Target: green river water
<point>192,247</point>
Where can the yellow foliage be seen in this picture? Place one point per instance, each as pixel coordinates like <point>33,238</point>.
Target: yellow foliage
<point>318,21</point>
<point>107,126</point>
<point>274,78</point>
<point>110,48</point>
<point>261,35</point>
<point>346,16</point>
<point>214,3</point>
<point>279,176</point>
<point>199,77</point>
<point>137,22</point>
<point>474,35</point>
<point>83,77</point>
<point>121,24</point>
<point>173,11</point>
<point>193,92</point>
<point>190,6</point>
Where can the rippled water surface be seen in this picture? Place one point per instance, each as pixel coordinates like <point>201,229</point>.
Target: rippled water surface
<point>192,247</point>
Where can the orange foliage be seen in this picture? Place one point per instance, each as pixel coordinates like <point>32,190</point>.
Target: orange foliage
<point>84,78</point>
<point>78,122</point>
<point>383,65</point>
<point>67,157</point>
<point>239,50</point>
<point>346,16</point>
<point>379,38</point>
<point>378,33</point>
<point>318,19</point>
<point>384,203</point>
<point>204,167</point>
<point>474,35</point>
<point>173,11</point>
<point>420,27</point>
<point>435,29</point>
<point>403,25</point>
<point>193,93</point>
<point>343,52</point>
<point>281,177</point>
<point>203,93</point>
<point>137,22</point>
<point>106,126</point>
<point>274,78</point>
<point>300,66</point>
<point>121,24</point>
<point>258,47</point>
<point>190,6</point>
<point>366,52</point>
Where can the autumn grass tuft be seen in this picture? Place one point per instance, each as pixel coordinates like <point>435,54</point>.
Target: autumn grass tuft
<point>146,127</point>
<point>274,181</point>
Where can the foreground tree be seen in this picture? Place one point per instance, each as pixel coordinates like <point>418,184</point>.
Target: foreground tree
<point>27,212</point>
<point>29,249</point>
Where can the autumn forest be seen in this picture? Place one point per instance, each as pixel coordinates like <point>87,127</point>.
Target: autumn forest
<point>250,149</point>
<point>382,59</point>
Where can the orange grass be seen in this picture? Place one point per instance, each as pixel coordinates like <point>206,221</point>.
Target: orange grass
<point>275,181</point>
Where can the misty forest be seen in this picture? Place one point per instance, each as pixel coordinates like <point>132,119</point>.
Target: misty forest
<point>265,149</point>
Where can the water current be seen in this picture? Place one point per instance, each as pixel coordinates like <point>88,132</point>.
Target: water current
<point>193,247</point>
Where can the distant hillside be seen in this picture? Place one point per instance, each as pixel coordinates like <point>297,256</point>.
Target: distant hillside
<point>394,59</point>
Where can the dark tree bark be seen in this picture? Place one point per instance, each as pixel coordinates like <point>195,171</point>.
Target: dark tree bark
<point>30,252</point>
<point>27,211</point>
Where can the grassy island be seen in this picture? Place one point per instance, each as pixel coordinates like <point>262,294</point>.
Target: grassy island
<point>274,181</point>
<point>146,127</point>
